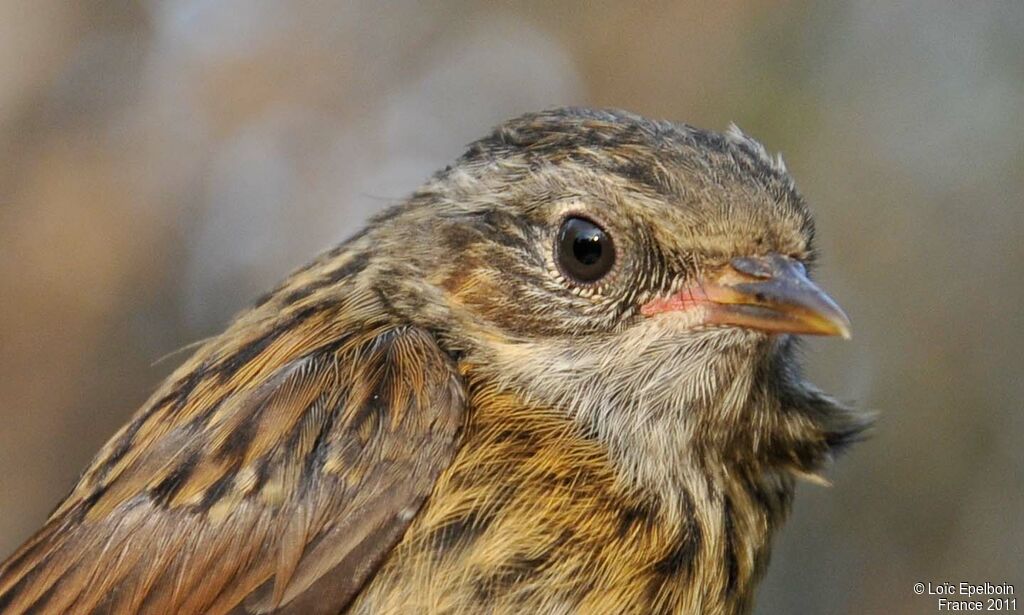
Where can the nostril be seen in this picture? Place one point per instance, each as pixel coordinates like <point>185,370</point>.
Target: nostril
<point>757,267</point>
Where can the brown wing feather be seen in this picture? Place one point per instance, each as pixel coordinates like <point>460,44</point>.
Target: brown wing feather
<point>273,472</point>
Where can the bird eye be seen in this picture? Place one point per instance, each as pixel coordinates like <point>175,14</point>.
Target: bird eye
<point>584,251</point>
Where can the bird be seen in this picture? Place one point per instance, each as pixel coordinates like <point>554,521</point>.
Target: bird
<point>562,376</point>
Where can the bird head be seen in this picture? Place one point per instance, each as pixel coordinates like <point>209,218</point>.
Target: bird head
<point>640,275</point>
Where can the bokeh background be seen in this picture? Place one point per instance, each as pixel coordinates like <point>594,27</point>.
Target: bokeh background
<point>163,162</point>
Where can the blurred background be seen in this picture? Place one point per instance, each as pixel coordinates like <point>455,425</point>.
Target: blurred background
<point>163,162</point>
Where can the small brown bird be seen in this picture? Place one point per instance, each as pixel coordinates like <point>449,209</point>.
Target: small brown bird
<point>560,378</point>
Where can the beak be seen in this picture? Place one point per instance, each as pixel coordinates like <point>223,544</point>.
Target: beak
<point>769,293</point>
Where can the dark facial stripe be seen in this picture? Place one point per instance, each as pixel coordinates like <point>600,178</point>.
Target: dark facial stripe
<point>678,560</point>
<point>731,563</point>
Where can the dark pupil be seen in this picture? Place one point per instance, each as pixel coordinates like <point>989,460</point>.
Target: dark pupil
<point>585,251</point>
<point>586,247</point>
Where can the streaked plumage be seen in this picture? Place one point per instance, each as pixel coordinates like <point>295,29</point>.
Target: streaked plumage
<point>435,417</point>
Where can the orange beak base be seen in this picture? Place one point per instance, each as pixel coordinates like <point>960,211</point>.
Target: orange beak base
<point>770,293</point>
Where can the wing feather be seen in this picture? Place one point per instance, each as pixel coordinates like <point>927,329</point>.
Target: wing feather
<point>274,481</point>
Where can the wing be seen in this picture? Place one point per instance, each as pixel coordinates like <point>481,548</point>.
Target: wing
<point>273,473</point>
